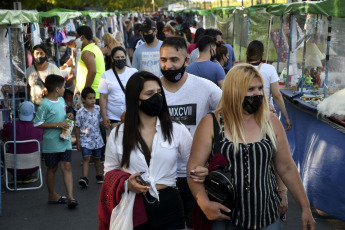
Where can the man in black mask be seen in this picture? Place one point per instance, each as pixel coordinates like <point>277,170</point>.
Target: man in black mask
<point>146,56</point>
<point>37,73</point>
<point>189,98</point>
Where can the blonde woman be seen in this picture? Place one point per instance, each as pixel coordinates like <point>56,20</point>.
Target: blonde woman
<point>250,138</point>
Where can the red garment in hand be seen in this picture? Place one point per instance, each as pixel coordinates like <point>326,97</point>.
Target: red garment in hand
<point>200,221</point>
<point>110,196</point>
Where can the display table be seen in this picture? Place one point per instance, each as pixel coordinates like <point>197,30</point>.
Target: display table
<point>319,153</point>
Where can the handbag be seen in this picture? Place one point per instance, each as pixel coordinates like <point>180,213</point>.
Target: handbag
<point>219,183</point>
<point>122,215</point>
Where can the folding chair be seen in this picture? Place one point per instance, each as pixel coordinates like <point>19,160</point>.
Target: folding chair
<point>23,161</point>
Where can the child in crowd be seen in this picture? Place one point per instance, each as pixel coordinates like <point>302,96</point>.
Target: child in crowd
<point>51,115</point>
<point>25,130</point>
<point>88,135</point>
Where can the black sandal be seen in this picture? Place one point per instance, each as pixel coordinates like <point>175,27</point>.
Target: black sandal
<point>72,203</point>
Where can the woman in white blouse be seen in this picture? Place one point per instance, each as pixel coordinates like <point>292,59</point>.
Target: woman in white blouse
<point>148,143</point>
<point>112,96</point>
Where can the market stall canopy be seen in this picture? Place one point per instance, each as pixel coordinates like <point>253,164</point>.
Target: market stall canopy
<point>97,14</point>
<point>62,15</point>
<point>16,17</point>
<point>335,8</point>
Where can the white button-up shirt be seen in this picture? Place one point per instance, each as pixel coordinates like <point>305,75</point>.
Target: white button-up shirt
<point>163,163</point>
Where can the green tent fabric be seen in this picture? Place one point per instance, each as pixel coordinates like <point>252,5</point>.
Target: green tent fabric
<point>334,8</point>
<point>223,10</point>
<point>62,15</point>
<point>16,17</point>
<point>97,14</point>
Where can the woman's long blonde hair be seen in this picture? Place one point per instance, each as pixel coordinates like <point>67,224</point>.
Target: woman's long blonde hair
<point>236,84</point>
<point>109,40</point>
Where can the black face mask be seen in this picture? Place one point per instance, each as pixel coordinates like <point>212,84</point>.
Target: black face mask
<point>153,105</point>
<point>41,60</point>
<point>252,104</point>
<point>149,38</point>
<point>120,63</point>
<point>174,75</point>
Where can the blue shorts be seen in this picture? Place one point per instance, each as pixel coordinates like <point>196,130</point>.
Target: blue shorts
<point>52,159</point>
<point>95,153</point>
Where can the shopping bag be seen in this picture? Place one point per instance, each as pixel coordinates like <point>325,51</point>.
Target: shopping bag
<point>122,215</point>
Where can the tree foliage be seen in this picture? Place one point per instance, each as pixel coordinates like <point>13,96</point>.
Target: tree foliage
<point>108,5</point>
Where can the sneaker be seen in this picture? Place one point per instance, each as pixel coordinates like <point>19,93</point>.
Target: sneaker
<point>28,180</point>
<point>99,179</point>
<point>83,182</point>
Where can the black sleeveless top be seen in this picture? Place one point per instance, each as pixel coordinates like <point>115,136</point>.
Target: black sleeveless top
<point>257,203</point>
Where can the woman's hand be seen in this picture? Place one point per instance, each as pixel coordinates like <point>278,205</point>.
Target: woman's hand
<point>283,203</point>
<point>44,91</point>
<point>198,174</point>
<point>134,186</point>
<point>212,211</point>
<point>288,124</point>
<point>308,222</point>
<point>106,122</point>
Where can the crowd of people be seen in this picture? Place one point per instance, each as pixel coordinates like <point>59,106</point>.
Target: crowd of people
<point>155,90</point>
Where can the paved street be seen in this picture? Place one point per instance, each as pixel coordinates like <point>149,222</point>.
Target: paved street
<point>29,210</point>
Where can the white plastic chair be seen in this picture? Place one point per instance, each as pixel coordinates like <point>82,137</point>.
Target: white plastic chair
<point>24,161</point>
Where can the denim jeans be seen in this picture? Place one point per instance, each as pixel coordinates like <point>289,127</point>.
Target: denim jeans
<point>220,225</point>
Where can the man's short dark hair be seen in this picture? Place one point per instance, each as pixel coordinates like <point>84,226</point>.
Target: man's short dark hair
<point>205,42</point>
<point>42,47</point>
<point>52,81</point>
<point>213,32</point>
<point>86,31</point>
<point>86,91</point>
<point>178,43</point>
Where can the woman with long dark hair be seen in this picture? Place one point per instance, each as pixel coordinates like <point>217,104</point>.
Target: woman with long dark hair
<point>148,144</point>
<point>111,88</point>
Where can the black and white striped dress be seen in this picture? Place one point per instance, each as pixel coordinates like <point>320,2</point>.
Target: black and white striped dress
<point>257,203</point>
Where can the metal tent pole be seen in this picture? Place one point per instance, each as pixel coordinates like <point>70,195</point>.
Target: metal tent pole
<point>57,44</point>
<point>288,61</point>
<point>13,111</point>
<point>327,54</point>
<point>280,39</point>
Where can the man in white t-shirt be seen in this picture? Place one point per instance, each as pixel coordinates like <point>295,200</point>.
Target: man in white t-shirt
<point>189,98</point>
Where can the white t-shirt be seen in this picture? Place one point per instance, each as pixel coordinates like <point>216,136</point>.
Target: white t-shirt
<point>163,163</point>
<point>269,74</point>
<point>197,97</point>
<point>116,103</point>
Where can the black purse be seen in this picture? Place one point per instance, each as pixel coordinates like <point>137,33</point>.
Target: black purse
<point>219,182</point>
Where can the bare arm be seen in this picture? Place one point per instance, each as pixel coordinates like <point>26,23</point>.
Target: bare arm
<point>278,99</point>
<point>221,83</point>
<point>59,125</point>
<point>201,148</point>
<point>89,60</point>
<point>103,99</point>
<point>77,137</point>
<point>288,172</point>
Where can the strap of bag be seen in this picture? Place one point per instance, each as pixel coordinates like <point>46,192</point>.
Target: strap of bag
<point>259,66</point>
<point>118,79</point>
<point>216,139</point>
<point>38,74</point>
